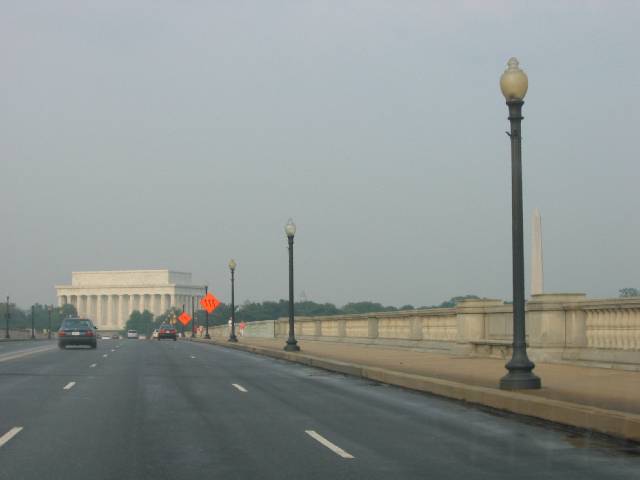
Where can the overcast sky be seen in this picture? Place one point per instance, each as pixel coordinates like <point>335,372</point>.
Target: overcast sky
<point>179,134</point>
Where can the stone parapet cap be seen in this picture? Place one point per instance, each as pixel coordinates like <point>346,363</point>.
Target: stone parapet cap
<point>479,305</point>
<point>435,312</point>
<point>106,287</point>
<point>555,301</point>
<point>613,303</point>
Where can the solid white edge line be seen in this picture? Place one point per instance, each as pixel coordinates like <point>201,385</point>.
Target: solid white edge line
<point>23,353</point>
<point>334,448</point>
<point>69,386</point>
<point>9,435</point>
<point>240,387</point>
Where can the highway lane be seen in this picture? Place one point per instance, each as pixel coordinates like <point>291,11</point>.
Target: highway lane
<point>179,410</point>
<point>9,347</point>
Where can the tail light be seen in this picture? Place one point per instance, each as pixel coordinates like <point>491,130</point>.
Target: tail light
<point>89,333</point>
<point>61,334</point>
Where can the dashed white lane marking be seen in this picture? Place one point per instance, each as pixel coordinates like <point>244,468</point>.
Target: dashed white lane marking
<point>240,387</point>
<point>69,386</point>
<point>334,448</point>
<point>9,435</point>
<point>93,365</point>
<point>193,356</point>
<point>105,355</point>
<point>113,350</point>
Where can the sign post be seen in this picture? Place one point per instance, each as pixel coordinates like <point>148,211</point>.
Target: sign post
<point>193,312</point>
<point>184,318</point>
<point>209,303</point>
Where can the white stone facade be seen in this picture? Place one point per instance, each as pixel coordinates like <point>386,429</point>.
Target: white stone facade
<point>109,297</point>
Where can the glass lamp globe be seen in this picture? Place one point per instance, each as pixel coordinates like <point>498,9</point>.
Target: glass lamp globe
<point>290,228</point>
<point>514,82</point>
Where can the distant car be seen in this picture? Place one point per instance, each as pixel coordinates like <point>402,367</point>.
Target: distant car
<point>155,333</point>
<point>167,331</point>
<point>115,336</point>
<point>77,331</point>
<point>132,334</point>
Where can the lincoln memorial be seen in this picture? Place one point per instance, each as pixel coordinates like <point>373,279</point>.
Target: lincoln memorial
<point>109,297</point>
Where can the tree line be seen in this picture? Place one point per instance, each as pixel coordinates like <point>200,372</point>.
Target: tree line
<point>21,319</point>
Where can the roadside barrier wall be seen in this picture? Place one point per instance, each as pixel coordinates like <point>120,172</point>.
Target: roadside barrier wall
<point>562,328</point>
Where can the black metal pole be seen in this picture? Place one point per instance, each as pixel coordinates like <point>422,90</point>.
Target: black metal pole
<point>206,335</point>
<point>7,316</point>
<point>182,324</point>
<point>292,344</point>
<point>520,368</point>
<point>232,337</point>
<point>193,317</point>
<point>33,319</point>
<point>49,312</point>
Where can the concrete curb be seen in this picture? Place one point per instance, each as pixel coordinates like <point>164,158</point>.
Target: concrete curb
<point>610,422</point>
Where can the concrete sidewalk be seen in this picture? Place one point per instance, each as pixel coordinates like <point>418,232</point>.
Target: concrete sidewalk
<point>604,400</point>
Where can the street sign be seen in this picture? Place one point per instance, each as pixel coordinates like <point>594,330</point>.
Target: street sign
<point>184,318</point>
<point>209,302</point>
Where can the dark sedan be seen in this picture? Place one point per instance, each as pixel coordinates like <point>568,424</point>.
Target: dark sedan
<point>167,331</point>
<point>77,331</point>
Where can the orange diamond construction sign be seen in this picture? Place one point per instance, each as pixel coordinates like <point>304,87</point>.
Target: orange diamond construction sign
<point>209,302</point>
<point>184,318</point>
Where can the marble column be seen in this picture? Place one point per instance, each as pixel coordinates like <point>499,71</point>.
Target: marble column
<point>122,310</point>
<point>155,307</point>
<point>99,320</point>
<point>113,311</point>
<point>110,319</point>
<point>163,303</point>
<point>91,307</point>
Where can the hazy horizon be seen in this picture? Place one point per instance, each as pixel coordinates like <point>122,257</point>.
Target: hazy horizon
<point>179,135</point>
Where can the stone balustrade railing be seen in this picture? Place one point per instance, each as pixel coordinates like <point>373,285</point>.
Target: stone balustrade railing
<point>613,325</point>
<point>560,328</point>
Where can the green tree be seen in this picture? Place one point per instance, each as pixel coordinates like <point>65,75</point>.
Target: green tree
<point>629,292</point>
<point>365,307</point>
<point>455,300</point>
<point>142,322</point>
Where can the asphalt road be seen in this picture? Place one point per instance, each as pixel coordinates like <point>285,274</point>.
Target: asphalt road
<point>181,410</point>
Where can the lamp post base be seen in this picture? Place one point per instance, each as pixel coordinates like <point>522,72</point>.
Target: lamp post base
<point>207,336</point>
<point>520,380</point>
<point>232,338</point>
<point>291,346</point>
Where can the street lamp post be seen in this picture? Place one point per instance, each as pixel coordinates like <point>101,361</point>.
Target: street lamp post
<point>33,324</point>
<point>292,344</point>
<point>206,335</point>
<point>7,316</point>
<point>49,311</point>
<point>514,84</point>
<point>232,267</point>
